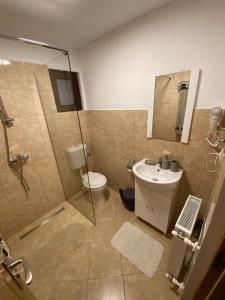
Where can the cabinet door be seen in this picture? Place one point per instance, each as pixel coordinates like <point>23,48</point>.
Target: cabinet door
<point>142,204</point>
<point>159,210</point>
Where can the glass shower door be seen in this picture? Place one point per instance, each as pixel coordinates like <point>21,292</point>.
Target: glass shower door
<point>59,91</point>
<point>36,220</point>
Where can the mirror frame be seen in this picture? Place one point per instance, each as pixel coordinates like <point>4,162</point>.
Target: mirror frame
<point>191,100</point>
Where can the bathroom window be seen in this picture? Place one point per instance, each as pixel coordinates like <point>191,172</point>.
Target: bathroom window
<point>66,90</point>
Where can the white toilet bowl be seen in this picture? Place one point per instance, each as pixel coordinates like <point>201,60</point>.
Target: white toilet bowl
<point>97,183</point>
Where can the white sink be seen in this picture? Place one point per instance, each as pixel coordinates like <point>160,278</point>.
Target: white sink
<point>155,194</point>
<point>156,177</point>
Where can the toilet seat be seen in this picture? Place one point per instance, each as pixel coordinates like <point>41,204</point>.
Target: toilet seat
<point>96,180</point>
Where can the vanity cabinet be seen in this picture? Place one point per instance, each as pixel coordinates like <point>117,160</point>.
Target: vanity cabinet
<point>155,206</point>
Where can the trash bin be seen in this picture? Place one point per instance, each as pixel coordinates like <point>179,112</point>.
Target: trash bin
<point>128,198</point>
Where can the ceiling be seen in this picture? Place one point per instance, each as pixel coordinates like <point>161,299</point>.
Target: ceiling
<point>69,23</point>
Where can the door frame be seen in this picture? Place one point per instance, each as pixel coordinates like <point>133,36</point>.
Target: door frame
<point>210,245</point>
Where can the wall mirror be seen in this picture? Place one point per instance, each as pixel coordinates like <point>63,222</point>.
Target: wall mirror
<point>171,111</point>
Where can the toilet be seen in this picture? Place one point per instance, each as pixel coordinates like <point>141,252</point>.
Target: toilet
<point>98,184</point>
<point>95,181</point>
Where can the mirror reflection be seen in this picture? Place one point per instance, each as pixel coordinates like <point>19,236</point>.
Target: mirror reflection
<point>171,92</point>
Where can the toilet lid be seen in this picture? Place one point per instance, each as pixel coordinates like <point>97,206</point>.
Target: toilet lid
<point>95,179</point>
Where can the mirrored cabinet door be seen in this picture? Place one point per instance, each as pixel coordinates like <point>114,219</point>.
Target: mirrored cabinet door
<point>171,106</point>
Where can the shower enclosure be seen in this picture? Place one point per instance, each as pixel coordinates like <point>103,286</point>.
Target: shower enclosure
<point>61,99</point>
<point>44,85</point>
<point>42,114</point>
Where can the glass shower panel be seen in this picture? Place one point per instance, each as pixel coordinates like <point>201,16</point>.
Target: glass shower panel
<point>34,218</point>
<point>60,97</point>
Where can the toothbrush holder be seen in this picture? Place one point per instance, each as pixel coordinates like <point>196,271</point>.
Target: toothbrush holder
<point>174,166</point>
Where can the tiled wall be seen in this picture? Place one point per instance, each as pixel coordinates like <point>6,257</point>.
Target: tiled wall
<point>120,135</point>
<point>166,105</point>
<point>28,135</point>
<point>64,132</point>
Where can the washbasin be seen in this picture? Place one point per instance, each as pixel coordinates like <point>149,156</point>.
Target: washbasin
<point>156,176</point>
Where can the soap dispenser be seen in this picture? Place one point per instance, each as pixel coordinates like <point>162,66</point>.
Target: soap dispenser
<point>165,160</point>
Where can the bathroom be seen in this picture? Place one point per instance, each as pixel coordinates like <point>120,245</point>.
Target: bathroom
<point>65,222</point>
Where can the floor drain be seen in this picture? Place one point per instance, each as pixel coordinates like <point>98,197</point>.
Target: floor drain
<point>43,222</point>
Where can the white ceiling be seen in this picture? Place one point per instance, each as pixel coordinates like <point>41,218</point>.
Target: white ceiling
<point>69,23</point>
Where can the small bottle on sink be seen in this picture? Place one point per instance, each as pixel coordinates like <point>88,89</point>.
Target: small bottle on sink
<point>165,160</point>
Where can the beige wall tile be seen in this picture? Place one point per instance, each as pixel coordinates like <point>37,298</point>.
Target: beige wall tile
<point>191,180</point>
<point>140,121</point>
<point>200,125</point>
<point>42,78</point>
<point>19,77</point>
<point>48,101</point>
<point>28,103</point>
<point>194,155</point>
<point>4,82</point>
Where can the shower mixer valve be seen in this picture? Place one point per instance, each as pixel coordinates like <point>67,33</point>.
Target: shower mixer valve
<point>19,158</point>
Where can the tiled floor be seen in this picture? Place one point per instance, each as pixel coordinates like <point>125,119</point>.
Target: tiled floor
<point>71,259</point>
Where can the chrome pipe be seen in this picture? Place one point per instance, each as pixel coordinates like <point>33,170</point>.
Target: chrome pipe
<point>20,158</point>
<point>6,143</point>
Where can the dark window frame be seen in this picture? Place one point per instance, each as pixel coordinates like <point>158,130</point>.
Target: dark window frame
<point>73,77</point>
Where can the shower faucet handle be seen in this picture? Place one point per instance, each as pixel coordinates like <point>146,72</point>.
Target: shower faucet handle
<point>22,157</point>
<point>19,158</point>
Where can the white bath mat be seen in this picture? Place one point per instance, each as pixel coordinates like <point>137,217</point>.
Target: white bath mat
<point>139,248</point>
